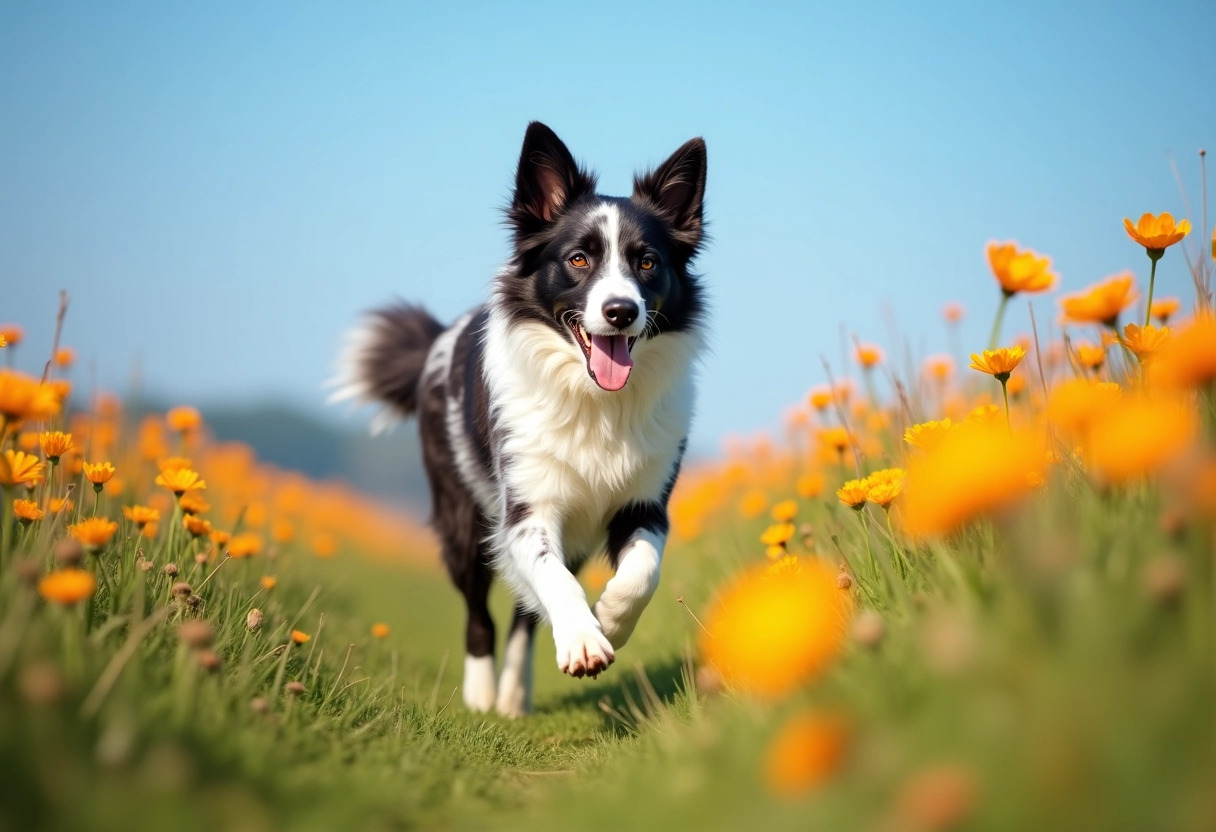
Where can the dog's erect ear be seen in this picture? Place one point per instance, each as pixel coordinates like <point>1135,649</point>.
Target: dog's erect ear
<point>676,190</point>
<point>547,180</point>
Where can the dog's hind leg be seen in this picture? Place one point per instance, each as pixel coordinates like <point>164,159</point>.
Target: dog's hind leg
<point>479,684</point>
<point>515,683</point>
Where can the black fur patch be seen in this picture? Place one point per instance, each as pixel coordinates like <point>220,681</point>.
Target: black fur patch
<point>392,365</point>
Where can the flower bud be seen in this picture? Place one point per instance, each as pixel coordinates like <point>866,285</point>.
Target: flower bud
<point>254,620</point>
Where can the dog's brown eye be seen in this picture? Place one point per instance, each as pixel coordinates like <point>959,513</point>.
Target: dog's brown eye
<point>646,264</point>
<point>579,261</point>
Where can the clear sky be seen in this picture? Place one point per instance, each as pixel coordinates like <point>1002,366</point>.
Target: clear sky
<point>223,187</point>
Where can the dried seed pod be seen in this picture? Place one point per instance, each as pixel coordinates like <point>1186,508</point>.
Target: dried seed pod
<point>69,552</point>
<point>209,660</point>
<point>181,589</point>
<point>254,620</point>
<point>295,688</point>
<point>170,569</point>
<point>197,634</point>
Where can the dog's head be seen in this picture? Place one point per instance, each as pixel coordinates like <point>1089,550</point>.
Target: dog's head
<point>606,273</point>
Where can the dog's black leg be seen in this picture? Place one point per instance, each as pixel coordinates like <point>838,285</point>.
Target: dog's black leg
<point>515,683</point>
<point>479,686</point>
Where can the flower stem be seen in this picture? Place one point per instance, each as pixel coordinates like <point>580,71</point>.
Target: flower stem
<point>996,323</point>
<point>1005,393</point>
<point>1152,280</point>
<point>865,530</point>
<point>900,561</point>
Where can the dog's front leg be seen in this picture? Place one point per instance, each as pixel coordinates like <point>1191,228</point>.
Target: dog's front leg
<point>534,563</point>
<point>636,539</point>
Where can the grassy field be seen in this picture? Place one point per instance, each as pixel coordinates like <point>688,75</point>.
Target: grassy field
<point>987,602</point>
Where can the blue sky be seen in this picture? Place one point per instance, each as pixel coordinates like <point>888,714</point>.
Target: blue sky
<point>222,188</point>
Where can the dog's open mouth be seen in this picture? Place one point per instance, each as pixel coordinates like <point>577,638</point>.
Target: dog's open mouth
<point>608,357</point>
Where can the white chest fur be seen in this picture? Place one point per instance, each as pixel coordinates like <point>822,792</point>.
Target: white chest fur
<point>572,451</point>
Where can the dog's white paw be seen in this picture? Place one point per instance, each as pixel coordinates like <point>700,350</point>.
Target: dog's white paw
<point>583,650</point>
<point>479,688</point>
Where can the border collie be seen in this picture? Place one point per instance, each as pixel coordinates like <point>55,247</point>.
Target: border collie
<point>553,419</point>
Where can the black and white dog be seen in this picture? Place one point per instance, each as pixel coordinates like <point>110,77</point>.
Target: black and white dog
<point>554,418</point>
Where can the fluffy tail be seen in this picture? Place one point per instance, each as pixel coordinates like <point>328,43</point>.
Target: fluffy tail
<point>384,359</point>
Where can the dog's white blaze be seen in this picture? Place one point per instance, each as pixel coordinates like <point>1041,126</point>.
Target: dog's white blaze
<point>515,683</point>
<point>629,590</point>
<point>478,691</point>
<point>614,280</point>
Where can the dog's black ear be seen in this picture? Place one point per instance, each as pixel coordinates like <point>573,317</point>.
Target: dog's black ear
<point>675,190</point>
<point>547,180</point>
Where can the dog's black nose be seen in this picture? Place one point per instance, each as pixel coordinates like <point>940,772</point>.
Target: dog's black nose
<point>620,312</point>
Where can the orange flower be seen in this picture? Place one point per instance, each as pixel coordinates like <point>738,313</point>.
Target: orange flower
<point>885,486</point>
<point>1145,341</point>
<point>245,545</point>
<point>12,334</point>
<point>952,312</point>
<point>98,473</point>
<point>65,357</point>
<point>55,444</point>
<point>141,515</point>
<point>196,525</point>
<point>778,534</point>
<point>1139,436</point>
<point>808,750</point>
<point>193,503</point>
<point>184,419</point>
<point>219,538</point>
<point>976,468</point>
<point>67,586</point>
<point>27,510</point>
<point>20,468</point>
<point>1164,308</point>
<point>24,397</point>
<point>324,545</point>
<point>939,367</point>
<point>1101,303</point>
<point>1157,233</point>
<point>180,480</point>
<point>820,397</point>
<point>268,582</point>
<point>1188,359</point>
<point>753,504</point>
<point>94,532</point>
<point>785,511</point>
<point>1089,356</point>
<point>810,485</point>
<point>837,439</point>
<point>927,435</point>
<point>1073,406</point>
<point>869,355</point>
<point>854,493</point>
<point>380,630</point>
<point>171,463</point>
<point>300,637</point>
<point>767,634</point>
<point>998,363</point>
<point>61,504</point>
<point>1019,271</point>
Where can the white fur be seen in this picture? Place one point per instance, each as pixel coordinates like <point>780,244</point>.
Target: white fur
<point>630,589</point>
<point>478,691</point>
<point>515,683</point>
<point>613,282</point>
<point>578,454</point>
<point>350,385</point>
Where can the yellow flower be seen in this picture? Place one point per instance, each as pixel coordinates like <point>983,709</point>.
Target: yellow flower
<point>1019,271</point>
<point>806,752</point>
<point>268,582</point>
<point>380,630</point>
<point>820,397</point>
<point>768,633</point>
<point>184,419</point>
<point>1073,406</point>
<point>778,534</point>
<point>1145,341</point>
<point>27,510</point>
<point>985,414</point>
<point>927,435</point>
<point>1164,308</point>
<point>94,532</point>
<point>67,586</point>
<point>193,503</point>
<point>869,355</point>
<point>753,504</point>
<point>245,545</point>
<point>300,637</point>
<point>810,485</point>
<point>98,473</point>
<point>998,363</point>
<point>939,367</point>
<point>219,538</point>
<point>783,563</point>
<point>65,357</point>
<point>61,504</point>
<point>12,334</point>
<point>1101,303</point>
<point>140,515</point>
<point>836,438</point>
<point>1157,233</point>
<point>196,525</point>
<point>1089,356</point>
<point>785,511</point>
<point>854,493</point>
<point>20,468</point>
<point>54,444</point>
<point>975,469</point>
<point>885,486</point>
<point>23,397</point>
<point>1188,359</point>
<point>171,463</point>
<point>180,480</point>
<point>1138,437</point>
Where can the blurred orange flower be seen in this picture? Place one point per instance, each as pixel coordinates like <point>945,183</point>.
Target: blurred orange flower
<point>98,473</point>
<point>27,510</point>
<point>1101,303</point>
<point>180,480</point>
<point>927,435</point>
<point>807,750</point>
<point>67,586</point>
<point>778,534</point>
<point>245,545</point>
<point>268,582</point>
<point>854,493</point>
<point>820,397</point>
<point>380,630</point>
<point>20,468</point>
<point>184,419</point>
<point>24,397</point>
<point>1164,308</point>
<point>953,312</point>
<point>300,637</point>
<point>869,355</point>
<point>885,486</point>
<point>1089,356</point>
<point>1157,233</point>
<point>1139,436</point>
<point>810,485</point>
<point>65,357</point>
<point>54,444</point>
<point>1188,359</point>
<point>12,334</point>
<point>785,511</point>
<point>196,525</point>
<point>140,515</point>
<point>1145,341</point>
<point>768,634</point>
<point>193,502</point>
<point>1019,271</point>
<point>94,532</point>
<point>939,367</point>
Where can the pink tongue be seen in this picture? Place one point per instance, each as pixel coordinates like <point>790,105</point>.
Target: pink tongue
<point>610,360</point>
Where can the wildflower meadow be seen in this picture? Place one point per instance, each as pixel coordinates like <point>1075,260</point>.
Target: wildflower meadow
<point>945,595</point>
